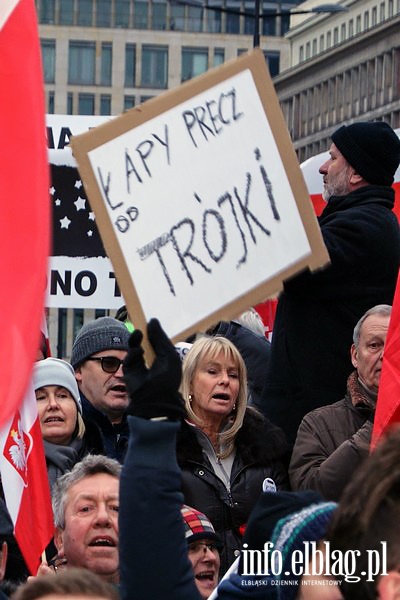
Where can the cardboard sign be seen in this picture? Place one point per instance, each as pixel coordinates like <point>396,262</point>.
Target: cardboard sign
<point>199,199</point>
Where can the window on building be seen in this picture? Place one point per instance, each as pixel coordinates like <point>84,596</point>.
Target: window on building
<point>219,57</point>
<point>49,60</point>
<point>214,21</point>
<point>343,32</point>
<point>129,102</point>
<point>122,13</point>
<point>81,64</point>
<point>50,103</point>
<point>351,28</point>
<point>358,24</point>
<point>105,104</point>
<point>159,15</point>
<point>328,39</point>
<point>106,63</point>
<point>195,18</point>
<point>366,20</point>
<point>308,50</point>
<point>374,16</point>
<point>268,22</point>
<point>232,19</point>
<point>382,11</point>
<point>154,66</point>
<point>301,53</point>
<point>70,103</point>
<point>85,104</point>
<point>145,98</point>
<point>335,35</point>
<point>85,13</point>
<point>321,43</point>
<point>66,12</point>
<point>314,47</point>
<point>141,15</point>
<point>194,62</point>
<point>390,8</point>
<point>130,65</point>
<point>103,13</point>
<point>177,19</point>
<point>272,59</point>
<point>47,12</point>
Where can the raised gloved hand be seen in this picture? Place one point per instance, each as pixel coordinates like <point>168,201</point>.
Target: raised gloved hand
<point>154,392</point>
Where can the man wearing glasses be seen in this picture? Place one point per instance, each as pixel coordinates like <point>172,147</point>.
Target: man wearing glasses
<point>97,354</point>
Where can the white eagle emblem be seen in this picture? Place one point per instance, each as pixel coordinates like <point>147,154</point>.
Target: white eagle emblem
<point>17,450</point>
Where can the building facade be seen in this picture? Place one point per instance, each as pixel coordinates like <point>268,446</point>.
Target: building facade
<point>345,68</point>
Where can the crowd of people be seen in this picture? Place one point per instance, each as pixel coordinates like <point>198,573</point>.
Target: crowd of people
<point>202,475</point>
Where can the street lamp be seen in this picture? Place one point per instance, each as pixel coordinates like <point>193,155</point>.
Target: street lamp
<point>257,15</point>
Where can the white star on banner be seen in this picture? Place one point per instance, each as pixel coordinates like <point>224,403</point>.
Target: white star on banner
<point>52,190</point>
<point>78,184</point>
<point>91,216</point>
<point>90,233</point>
<point>80,203</point>
<point>65,223</point>
<point>57,202</point>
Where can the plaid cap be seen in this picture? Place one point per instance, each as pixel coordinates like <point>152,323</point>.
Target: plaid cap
<point>198,526</point>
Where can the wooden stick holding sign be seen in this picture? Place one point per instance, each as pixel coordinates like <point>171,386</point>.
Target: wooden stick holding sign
<point>200,200</point>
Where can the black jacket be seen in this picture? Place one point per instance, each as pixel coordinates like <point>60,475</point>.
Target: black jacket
<point>260,446</point>
<point>114,438</point>
<point>317,312</point>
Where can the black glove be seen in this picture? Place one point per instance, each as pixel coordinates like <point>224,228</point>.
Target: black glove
<point>154,392</point>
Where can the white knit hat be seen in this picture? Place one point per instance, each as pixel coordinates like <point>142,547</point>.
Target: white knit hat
<point>54,371</point>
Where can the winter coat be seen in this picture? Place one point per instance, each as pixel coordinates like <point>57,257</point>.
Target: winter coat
<point>317,312</point>
<point>114,437</point>
<point>154,563</point>
<point>332,442</point>
<point>260,447</point>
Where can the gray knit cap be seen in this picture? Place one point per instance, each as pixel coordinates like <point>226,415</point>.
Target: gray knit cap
<point>54,371</point>
<point>101,334</point>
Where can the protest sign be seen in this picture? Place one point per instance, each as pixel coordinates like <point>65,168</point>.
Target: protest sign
<point>199,198</point>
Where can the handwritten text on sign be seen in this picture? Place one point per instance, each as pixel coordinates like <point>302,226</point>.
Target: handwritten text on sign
<point>200,202</point>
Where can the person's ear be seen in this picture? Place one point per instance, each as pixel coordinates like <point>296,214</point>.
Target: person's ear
<point>353,354</point>
<point>78,374</point>
<point>388,586</point>
<point>3,560</point>
<point>355,178</point>
<point>59,540</point>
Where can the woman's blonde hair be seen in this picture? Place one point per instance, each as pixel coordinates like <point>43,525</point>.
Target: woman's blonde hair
<point>79,427</point>
<point>211,347</point>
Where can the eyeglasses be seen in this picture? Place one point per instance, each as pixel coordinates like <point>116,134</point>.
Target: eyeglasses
<point>196,547</point>
<point>109,364</point>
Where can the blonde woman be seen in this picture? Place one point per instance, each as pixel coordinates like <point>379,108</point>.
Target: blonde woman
<point>228,452</point>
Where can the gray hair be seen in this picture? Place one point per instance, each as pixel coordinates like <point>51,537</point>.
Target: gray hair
<point>91,465</point>
<point>252,320</point>
<point>380,309</point>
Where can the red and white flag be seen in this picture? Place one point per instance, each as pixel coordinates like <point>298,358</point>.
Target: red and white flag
<point>24,199</point>
<point>24,250</point>
<point>25,482</point>
<point>388,405</point>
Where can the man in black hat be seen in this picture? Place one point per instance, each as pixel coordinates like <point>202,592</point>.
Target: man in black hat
<point>309,362</point>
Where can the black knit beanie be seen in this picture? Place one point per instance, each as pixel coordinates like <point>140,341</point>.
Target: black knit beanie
<point>372,149</point>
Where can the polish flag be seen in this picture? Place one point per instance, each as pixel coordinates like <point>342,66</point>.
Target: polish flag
<point>24,199</point>
<point>388,405</point>
<point>24,250</point>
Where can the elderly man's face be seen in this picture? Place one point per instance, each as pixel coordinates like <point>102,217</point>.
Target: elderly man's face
<point>337,173</point>
<point>90,536</point>
<point>367,356</point>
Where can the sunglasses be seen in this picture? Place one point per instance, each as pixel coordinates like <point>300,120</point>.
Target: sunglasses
<point>109,364</point>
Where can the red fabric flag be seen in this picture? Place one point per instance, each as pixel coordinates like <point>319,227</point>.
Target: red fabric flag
<point>388,405</point>
<point>25,482</point>
<point>24,197</point>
